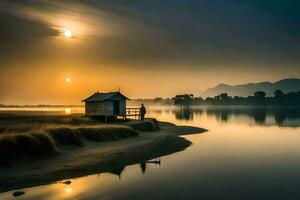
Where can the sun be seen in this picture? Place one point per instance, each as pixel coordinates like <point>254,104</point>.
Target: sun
<point>68,80</point>
<point>68,34</point>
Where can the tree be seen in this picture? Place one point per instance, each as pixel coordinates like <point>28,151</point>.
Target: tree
<point>259,98</point>
<point>185,99</point>
<point>222,97</point>
<point>260,94</point>
<point>157,100</point>
<point>278,93</point>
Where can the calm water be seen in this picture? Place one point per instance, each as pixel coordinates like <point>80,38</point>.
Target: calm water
<point>247,154</point>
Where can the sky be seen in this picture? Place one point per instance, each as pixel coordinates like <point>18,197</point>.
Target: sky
<point>145,48</point>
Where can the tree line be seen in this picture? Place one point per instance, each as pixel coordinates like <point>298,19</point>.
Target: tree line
<point>258,98</point>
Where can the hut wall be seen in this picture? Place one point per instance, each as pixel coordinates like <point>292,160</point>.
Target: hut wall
<point>104,108</point>
<point>123,107</point>
<point>122,104</point>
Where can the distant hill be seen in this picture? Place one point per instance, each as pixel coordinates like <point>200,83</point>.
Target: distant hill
<point>286,85</point>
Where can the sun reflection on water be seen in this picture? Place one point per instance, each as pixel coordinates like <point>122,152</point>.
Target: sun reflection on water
<point>68,111</point>
<point>68,190</point>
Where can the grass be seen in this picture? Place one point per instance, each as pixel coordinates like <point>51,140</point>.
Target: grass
<point>107,133</point>
<point>18,123</point>
<point>75,135</point>
<point>17,148</point>
<point>146,126</point>
<point>29,137</point>
<point>21,147</point>
<point>65,136</point>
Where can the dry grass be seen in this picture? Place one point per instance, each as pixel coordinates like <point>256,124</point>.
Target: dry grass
<point>28,137</point>
<point>21,147</point>
<point>17,148</point>
<point>65,135</point>
<point>17,123</point>
<point>107,133</point>
<point>147,126</point>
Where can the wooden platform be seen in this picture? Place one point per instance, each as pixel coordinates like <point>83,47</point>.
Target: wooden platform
<point>133,112</point>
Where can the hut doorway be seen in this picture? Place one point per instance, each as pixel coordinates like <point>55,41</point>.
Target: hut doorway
<point>116,107</point>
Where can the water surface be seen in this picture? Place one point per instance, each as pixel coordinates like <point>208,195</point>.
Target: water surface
<point>249,153</point>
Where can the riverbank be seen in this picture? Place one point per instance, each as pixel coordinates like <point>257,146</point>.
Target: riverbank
<point>95,157</point>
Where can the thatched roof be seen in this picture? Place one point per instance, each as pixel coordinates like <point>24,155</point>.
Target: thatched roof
<point>97,97</point>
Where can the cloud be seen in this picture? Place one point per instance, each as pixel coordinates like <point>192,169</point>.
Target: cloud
<point>190,33</point>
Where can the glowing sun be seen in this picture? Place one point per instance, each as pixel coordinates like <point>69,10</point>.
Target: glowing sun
<point>68,80</point>
<point>68,34</point>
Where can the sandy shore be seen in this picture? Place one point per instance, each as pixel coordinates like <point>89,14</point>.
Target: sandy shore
<point>97,157</point>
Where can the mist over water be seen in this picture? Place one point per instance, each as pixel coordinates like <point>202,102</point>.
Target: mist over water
<point>251,115</point>
<point>248,153</point>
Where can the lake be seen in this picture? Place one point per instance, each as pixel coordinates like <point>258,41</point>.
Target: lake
<point>248,153</point>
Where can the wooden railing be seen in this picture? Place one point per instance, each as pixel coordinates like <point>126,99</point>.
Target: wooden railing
<point>133,112</point>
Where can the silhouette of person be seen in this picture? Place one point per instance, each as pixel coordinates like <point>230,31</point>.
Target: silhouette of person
<point>142,112</point>
<point>143,167</point>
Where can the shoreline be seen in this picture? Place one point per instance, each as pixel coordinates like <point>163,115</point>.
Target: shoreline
<point>97,157</point>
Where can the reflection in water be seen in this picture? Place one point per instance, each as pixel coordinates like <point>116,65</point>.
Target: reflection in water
<point>185,113</point>
<point>259,116</point>
<point>283,116</point>
<point>101,183</point>
<point>157,112</point>
<point>118,171</point>
<point>143,165</point>
<point>68,111</point>
<point>68,190</point>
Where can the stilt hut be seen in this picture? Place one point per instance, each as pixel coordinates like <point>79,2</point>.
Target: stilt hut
<point>112,104</point>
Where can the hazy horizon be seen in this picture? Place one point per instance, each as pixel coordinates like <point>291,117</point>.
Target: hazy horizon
<point>59,52</point>
<point>137,98</point>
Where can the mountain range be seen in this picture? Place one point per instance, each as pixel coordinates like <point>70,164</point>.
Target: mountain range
<point>285,85</point>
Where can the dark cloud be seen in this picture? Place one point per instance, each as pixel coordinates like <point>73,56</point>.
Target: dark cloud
<point>18,35</point>
<point>172,31</point>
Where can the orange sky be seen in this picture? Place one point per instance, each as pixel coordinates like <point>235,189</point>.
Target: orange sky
<point>147,54</point>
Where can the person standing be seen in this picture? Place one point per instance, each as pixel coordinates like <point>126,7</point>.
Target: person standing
<point>142,112</point>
